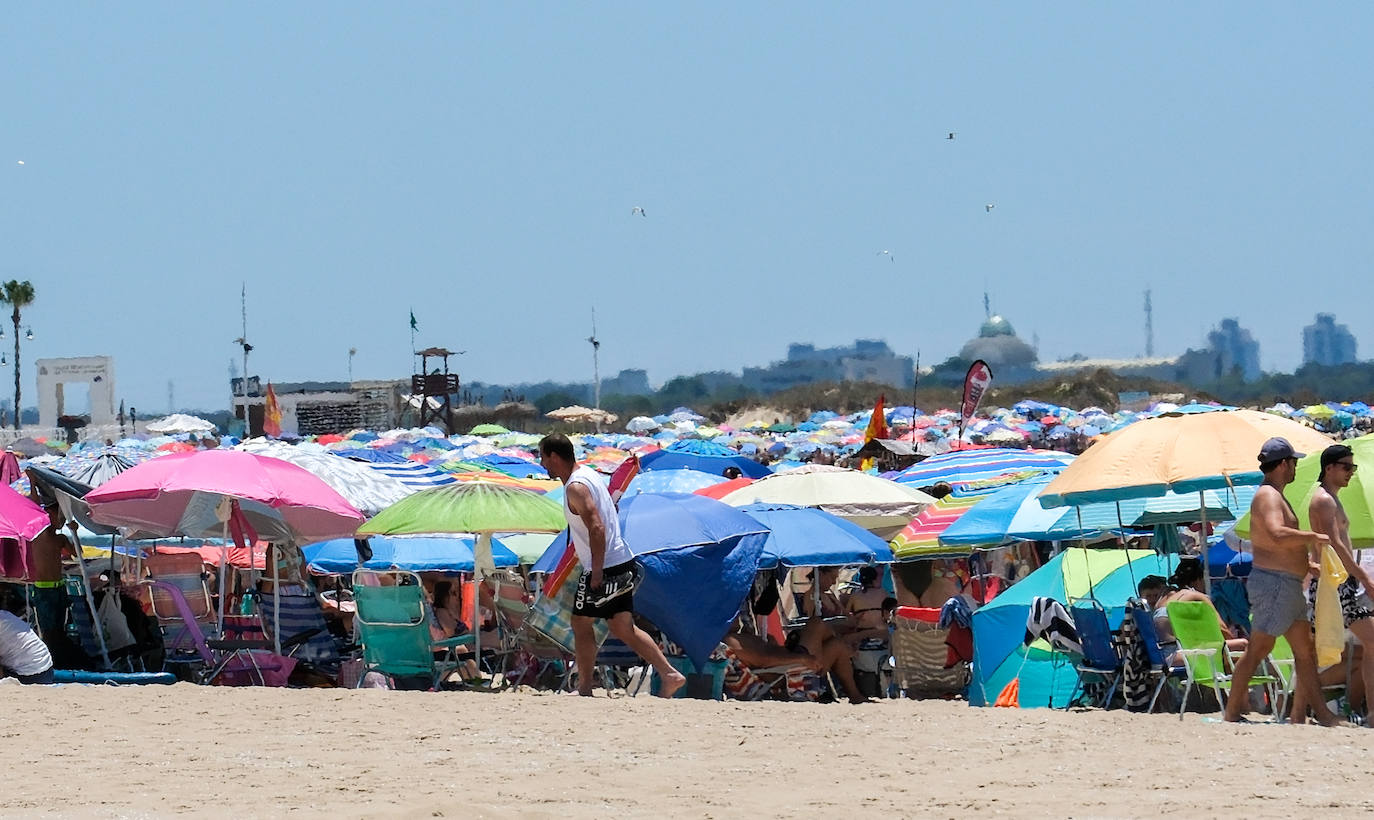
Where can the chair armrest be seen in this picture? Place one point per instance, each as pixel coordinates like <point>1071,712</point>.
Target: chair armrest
<point>238,645</point>
<point>453,643</point>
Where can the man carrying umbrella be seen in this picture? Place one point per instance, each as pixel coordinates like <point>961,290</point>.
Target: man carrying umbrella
<point>606,588</point>
<point>1278,606</point>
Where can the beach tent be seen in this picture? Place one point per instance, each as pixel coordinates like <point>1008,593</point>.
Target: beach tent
<point>1048,677</point>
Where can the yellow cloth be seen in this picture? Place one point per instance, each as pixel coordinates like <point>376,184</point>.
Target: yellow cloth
<point>1330,624</point>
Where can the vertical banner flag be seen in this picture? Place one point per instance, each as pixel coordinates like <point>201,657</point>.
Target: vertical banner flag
<point>877,428</point>
<point>271,417</point>
<point>975,385</point>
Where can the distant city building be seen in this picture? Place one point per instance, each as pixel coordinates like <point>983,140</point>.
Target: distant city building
<point>1230,349</point>
<point>868,360</point>
<point>1326,343</point>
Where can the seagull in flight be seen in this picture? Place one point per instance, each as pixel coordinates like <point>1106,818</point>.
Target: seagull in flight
<point>637,210</point>
<point>21,162</point>
<point>989,207</point>
<point>888,254</point>
<point>951,136</point>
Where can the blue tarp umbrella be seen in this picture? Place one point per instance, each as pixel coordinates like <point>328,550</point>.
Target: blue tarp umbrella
<point>418,553</point>
<point>809,537</point>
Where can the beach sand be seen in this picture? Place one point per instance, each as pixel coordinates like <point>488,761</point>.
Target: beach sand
<point>181,750</point>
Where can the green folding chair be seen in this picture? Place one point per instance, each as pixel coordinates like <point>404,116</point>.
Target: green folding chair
<point>1281,661</point>
<point>394,628</point>
<point>1203,647</point>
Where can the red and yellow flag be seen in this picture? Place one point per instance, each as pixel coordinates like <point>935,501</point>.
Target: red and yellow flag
<point>271,417</point>
<point>877,428</point>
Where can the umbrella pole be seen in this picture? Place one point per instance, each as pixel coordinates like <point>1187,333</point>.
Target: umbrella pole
<point>1121,527</point>
<point>1083,545</point>
<point>1206,565</point>
<point>90,596</point>
<point>276,598</point>
<point>223,564</point>
<point>481,557</point>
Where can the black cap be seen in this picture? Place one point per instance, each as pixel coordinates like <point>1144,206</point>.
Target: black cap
<point>1277,449</point>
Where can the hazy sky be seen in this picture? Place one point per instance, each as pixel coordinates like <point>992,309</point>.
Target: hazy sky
<point>479,163</point>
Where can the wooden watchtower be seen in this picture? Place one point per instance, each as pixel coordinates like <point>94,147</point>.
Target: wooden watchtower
<point>441,387</point>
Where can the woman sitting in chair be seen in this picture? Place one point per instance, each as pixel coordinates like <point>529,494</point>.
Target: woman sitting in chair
<point>1184,585</point>
<point>446,622</point>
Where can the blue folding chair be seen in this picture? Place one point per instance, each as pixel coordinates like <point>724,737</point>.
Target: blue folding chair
<point>1100,658</point>
<point>1159,665</point>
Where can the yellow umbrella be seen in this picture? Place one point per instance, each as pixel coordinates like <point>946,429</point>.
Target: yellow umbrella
<point>1182,452</point>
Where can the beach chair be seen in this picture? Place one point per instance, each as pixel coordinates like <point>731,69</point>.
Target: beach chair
<point>1203,647</point>
<point>793,683</point>
<point>620,667</point>
<point>299,616</point>
<point>1100,659</point>
<point>186,574</point>
<point>394,628</point>
<point>218,661</point>
<point>1159,665</point>
<point>920,657</point>
<point>1285,671</point>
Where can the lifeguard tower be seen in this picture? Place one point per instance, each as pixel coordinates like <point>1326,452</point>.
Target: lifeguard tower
<point>436,386</point>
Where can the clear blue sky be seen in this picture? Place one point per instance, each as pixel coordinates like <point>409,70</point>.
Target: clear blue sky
<point>479,163</point>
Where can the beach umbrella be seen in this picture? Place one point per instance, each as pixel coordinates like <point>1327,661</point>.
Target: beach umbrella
<point>706,456</point>
<point>211,492</point>
<point>488,430</point>
<point>180,423</point>
<point>1179,452</point>
<point>724,488</point>
<point>20,518</point>
<point>920,539</point>
<point>479,507</point>
<point>1108,576</point>
<point>527,546</point>
<point>416,553</point>
<point>880,506</point>
<point>672,481</point>
<point>1357,498</point>
<point>698,557</point>
<point>369,491</point>
<point>642,424</point>
<point>809,537</point>
<point>961,466</point>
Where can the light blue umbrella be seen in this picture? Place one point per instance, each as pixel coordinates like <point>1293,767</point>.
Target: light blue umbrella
<point>810,537</point>
<point>682,480</point>
<point>418,553</point>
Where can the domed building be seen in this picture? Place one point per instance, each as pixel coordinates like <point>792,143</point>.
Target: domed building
<point>998,345</point>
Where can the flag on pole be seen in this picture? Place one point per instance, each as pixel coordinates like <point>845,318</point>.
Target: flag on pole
<point>414,325</point>
<point>271,416</point>
<point>975,385</point>
<point>877,428</point>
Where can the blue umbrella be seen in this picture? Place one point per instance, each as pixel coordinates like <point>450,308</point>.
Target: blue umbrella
<point>672,481</point>
<point>963,466</point>
<point>424,553</point>
<point>810,537</point>
<point>696,457</point>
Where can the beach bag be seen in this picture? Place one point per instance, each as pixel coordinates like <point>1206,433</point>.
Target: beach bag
<point>113,623</point>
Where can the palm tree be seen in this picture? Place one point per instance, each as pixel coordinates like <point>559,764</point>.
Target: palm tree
<point>20,295</point>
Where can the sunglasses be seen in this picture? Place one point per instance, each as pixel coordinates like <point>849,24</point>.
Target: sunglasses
<point>1348,465</point>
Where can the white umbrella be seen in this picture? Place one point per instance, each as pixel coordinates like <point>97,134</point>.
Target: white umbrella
<point>368,490</point>
<point>880,506</point>
<point>181,423</point>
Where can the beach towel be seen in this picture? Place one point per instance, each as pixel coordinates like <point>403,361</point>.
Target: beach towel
<point>1329,622</point>
<point>1051,621</point>
<point>955,611</point>
<point>1135,661</point>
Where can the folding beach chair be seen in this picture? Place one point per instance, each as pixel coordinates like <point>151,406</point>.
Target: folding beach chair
<point>1159,665</point>
<point>1285,671</point>
<point>620,667</point>
<point>186,574</point>
<point>794,683</point>
<point>920,656</point>
<point>1100,659</point>
<point>299,616</point>
<point>1203,648</point>
<point>394,628</point>
<point>218,661</point>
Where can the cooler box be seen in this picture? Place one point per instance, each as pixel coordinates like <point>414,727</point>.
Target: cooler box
<point>704,684</point>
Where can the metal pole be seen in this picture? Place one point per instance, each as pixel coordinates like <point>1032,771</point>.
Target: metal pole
<point>1206,565</point>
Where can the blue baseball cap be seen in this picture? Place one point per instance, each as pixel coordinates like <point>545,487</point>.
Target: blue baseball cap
<point>1277,449</point>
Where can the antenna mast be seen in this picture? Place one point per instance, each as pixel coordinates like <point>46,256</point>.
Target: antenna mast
<point>1149,326</point>
<point>596,364</point>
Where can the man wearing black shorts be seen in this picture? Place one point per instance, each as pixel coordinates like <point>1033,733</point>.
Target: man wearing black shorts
<point>606,589</point>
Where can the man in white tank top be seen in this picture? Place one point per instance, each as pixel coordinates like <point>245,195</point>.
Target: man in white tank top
<point>606,589</point>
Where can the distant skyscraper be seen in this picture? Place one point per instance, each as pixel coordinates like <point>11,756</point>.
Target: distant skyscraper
<point>1326,343</point>
<point>1235,348</point>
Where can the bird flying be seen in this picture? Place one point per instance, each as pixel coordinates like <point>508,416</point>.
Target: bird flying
<point>888,254</point>
<point>637,210</point>
<point>989,207</point>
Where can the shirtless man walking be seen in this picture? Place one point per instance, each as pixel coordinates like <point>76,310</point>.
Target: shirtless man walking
<point>1278,607</point>
<point>606,590</point>
<point>1328,517</point>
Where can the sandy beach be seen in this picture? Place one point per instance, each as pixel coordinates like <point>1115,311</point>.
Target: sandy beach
<point>184,750</point>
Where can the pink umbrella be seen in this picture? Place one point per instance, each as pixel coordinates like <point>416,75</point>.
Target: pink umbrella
<point>21,520</point>
<point>183,494</point>
<point>215,492</point>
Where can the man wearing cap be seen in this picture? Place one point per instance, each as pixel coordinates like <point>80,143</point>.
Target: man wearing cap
<point>1277,604</point>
